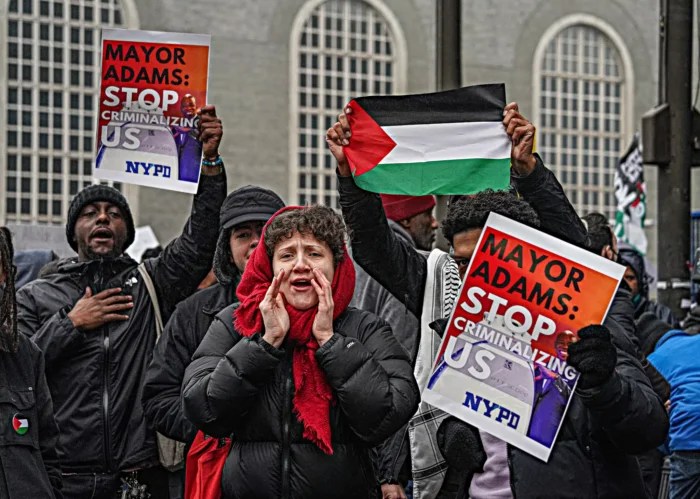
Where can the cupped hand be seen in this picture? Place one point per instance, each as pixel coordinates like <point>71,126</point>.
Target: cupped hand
<point>274,315</point>
<point>322,328</point>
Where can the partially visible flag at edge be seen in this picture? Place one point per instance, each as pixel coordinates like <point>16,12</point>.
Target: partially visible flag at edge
<point>631,196</point>
<point>449,142</point>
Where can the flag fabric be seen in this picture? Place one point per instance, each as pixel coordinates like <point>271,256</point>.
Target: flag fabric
<point>631,196</point>
<point>451,142</point>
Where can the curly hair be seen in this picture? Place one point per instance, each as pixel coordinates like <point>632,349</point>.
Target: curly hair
<point>318,221</point>
<point>9,339</point>
<point>471,212</point>
<point>600,233</point>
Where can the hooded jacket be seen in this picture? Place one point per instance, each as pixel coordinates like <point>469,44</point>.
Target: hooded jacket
<point>593,454</point>
<point>96,377</point>
<point>182,335</point>
<point>243,387</point>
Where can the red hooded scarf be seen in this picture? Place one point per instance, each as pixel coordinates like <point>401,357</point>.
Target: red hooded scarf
<point>313,395</point>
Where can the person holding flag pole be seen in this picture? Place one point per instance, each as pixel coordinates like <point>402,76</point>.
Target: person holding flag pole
<point>614,413</point>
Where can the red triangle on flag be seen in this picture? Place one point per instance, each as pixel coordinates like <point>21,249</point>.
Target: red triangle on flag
<point>369,143</point>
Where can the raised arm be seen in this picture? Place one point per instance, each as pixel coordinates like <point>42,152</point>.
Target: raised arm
<point>538,185</point>
<point>395,265</point>
<point>188,259</point>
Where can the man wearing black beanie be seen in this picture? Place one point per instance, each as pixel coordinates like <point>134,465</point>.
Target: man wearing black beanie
<point>95,321</point>
<point>243,215</point>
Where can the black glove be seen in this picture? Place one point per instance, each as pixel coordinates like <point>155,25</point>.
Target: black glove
<point>461,446</point>
<point>593,355</point>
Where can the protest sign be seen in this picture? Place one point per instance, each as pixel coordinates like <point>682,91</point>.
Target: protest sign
<point>153,84</point>
<point>502,362</point>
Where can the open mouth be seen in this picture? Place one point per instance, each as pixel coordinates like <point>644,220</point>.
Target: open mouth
<point>102,235</point>
<point>301,285</point>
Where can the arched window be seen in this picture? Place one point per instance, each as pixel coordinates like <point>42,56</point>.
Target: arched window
<point>583,81</point>
<point>340,49</point>
<point>51,83</point>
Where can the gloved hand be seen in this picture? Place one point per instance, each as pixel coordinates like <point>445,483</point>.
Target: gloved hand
<point>461,446</point>
<point>593,355</point>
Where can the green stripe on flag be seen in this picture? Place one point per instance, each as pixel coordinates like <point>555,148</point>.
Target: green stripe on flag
<point>458,176</point>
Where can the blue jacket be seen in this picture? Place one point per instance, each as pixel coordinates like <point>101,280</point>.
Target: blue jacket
<point>676,358</point>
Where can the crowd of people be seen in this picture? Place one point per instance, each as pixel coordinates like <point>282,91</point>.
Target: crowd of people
<point>304,359</point>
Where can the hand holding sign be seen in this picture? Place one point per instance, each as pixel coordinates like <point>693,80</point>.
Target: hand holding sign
<point>593,355</point>
<point>211,131</point>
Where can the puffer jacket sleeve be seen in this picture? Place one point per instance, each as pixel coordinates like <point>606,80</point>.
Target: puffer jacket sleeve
<point>404,274</point>
<point>626,408</point>
<point>225,376</point>
<point>371,376</point>
<point>544,193</point>
<point>162,401</point>
<point>186,260</point>
<point>48,429</point>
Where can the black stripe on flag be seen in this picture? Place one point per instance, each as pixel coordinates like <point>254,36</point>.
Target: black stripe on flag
<point>467,104</point>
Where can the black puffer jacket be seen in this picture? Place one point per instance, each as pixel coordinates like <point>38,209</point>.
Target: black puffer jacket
<point>184,332</point>
<point>28,463</point>
<point>243,387</point>
<point>96,377</point>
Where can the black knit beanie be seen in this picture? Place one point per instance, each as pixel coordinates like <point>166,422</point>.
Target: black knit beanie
<point>93,194</point>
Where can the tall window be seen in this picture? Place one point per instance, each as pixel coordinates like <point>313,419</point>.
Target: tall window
<point>582,106</point>
<point>344,49</point>
<point>53,67</point>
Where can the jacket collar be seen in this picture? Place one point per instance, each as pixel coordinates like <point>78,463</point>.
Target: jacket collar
<point>401,233</point>
<point>221,296</point>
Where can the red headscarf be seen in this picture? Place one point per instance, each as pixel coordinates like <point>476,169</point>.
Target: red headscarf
<point>313,395</point>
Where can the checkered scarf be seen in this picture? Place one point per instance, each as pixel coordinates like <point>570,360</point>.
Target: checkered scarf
<point>441,289</point>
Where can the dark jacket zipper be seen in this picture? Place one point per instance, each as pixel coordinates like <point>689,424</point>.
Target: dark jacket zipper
<point>107,444</point>
<point>105,399</point>
<point>286,431</point>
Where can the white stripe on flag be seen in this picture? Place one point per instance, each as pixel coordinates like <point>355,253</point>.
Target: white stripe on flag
<point>447,141</point>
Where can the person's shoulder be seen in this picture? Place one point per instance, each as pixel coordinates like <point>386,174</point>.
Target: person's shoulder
<point>357,322</point>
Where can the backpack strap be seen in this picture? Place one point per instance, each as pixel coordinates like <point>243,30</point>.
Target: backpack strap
<point>154,298</point>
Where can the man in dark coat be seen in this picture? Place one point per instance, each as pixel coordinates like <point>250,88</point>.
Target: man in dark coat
<point>614,413</point>
<point>243,215</point>
<point>95,322</point>
<point>411,219</point>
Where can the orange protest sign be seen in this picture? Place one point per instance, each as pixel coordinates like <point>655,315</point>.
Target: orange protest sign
<point>153,85</point>
<point>502,363</point>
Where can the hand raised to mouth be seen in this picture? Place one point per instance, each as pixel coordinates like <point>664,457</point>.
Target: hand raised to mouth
<point>322,328</point>
<point>274,315</point>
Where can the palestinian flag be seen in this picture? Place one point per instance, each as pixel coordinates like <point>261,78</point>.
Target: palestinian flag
<point>449,142</point>
<point>20,424</point>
